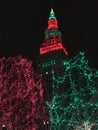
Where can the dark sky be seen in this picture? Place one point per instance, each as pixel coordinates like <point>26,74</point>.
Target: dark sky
<point>22,26</point>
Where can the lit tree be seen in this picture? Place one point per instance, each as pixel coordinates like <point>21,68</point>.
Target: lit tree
<point>73,105</point>
<point>21,95</point>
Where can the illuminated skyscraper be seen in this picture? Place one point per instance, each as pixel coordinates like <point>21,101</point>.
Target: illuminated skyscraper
<point>52,54</point>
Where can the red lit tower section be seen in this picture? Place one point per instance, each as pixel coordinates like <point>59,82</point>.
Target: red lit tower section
<point>53,39</point>
<point>52,54</point>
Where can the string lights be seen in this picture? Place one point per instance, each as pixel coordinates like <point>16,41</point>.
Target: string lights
<point>22,105</point>
<point>72,105</point>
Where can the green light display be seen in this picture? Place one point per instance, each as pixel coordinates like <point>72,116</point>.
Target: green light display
<point>52,15</point>
<point>53,32</point>
<point>49,63</point>
<point>74,105</point>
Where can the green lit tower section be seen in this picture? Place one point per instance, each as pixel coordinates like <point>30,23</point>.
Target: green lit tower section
<point>52,54</point>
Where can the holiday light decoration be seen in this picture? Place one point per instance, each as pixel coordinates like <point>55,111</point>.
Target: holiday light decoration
<point>53,40</point>
<point>22,105</point>
<point>74,105</point>
<point>53,47</point>
<point>49,63</point>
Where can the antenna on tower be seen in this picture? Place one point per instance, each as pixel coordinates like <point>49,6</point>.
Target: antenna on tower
<point>52,10</point>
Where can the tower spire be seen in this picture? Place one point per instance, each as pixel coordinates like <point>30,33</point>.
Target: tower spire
<point>53,40</point>
<point>52,22</point>
<point>52,15</point>
<point>52,10</point>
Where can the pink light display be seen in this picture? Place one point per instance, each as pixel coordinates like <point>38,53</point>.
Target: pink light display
<point>21,95</point>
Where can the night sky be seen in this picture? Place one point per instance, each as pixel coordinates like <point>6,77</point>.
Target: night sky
<point>22,26</point>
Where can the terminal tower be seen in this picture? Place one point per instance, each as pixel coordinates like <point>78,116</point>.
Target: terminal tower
<point>52,55</point>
